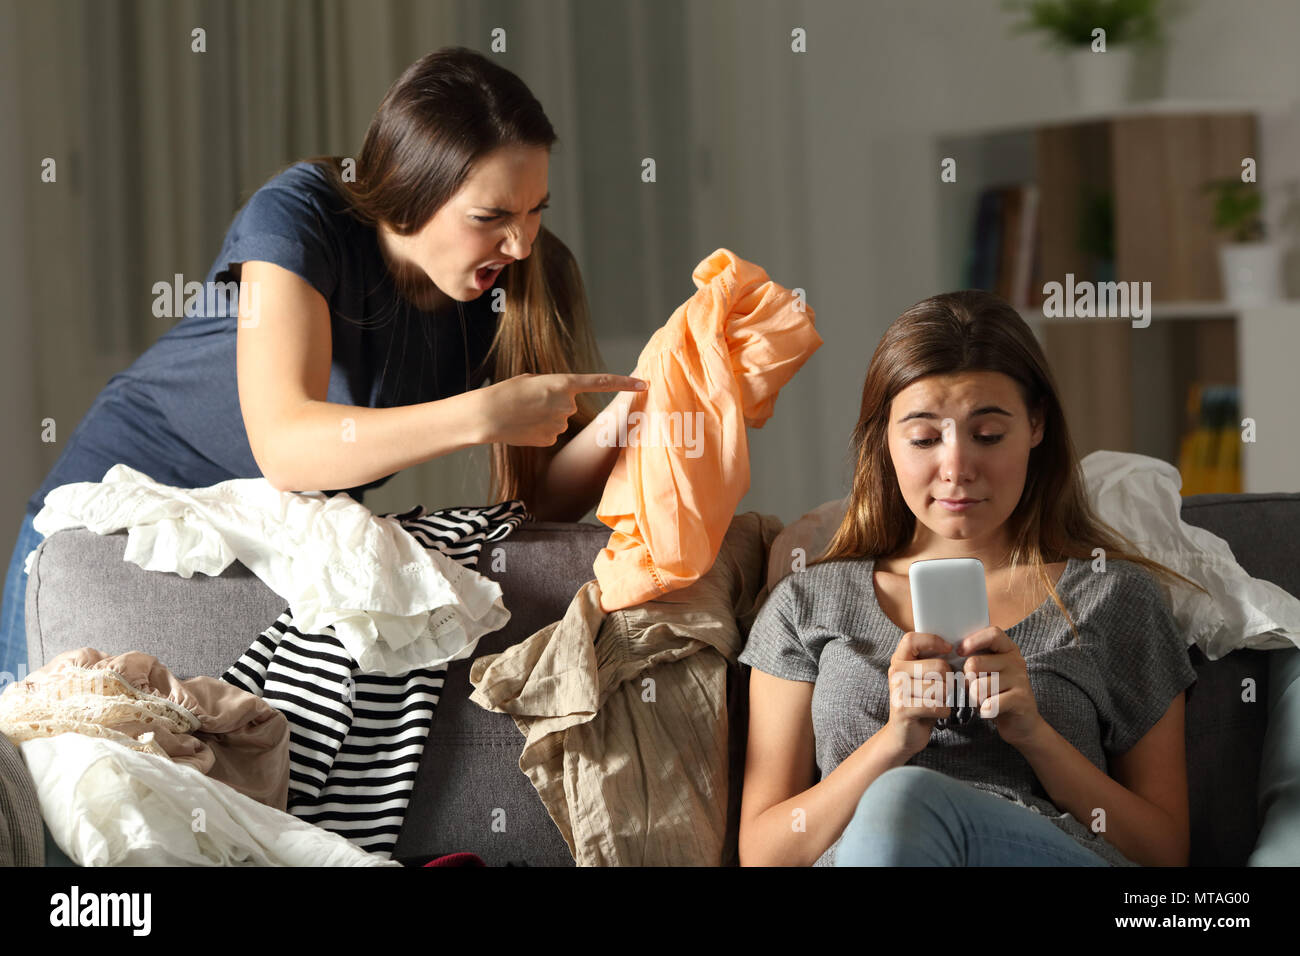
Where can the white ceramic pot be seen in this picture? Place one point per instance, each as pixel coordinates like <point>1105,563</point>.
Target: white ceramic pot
<point>1252,272</point>
<point>1099,81</point>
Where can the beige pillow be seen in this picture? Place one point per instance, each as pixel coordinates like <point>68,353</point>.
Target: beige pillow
<point>804,539</point>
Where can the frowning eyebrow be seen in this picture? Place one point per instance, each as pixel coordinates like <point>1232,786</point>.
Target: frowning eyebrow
<point>498,211</point>
<point>984,410</point>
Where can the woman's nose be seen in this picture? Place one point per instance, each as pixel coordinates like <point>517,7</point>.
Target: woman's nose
<point>955,459</point>
<point>517,246</point>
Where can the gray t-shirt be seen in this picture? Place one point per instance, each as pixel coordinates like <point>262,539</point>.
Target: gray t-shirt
<point>825,626</point>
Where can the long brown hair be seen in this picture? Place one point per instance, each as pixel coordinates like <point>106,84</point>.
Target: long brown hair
<point>447,111</point>
<point>974,331</point>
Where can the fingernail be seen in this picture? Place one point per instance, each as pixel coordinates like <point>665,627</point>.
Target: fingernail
<point>642,385</point>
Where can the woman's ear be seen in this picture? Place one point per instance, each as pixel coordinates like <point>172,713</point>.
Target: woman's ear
<point>1036,427</point>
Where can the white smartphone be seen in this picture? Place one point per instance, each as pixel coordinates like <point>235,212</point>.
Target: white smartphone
<point>949,599</point>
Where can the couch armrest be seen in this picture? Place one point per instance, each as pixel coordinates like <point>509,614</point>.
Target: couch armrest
<point>22,832</point>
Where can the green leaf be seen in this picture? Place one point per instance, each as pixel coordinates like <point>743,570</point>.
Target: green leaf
<point>1069,23</point>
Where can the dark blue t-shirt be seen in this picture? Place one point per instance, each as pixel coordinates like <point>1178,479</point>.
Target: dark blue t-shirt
<point>174,413</point>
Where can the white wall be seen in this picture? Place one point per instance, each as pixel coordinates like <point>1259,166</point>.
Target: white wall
<point>19,423</point>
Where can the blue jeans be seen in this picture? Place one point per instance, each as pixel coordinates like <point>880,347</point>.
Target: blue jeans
<point>13,617</point>
<point>914,816</point>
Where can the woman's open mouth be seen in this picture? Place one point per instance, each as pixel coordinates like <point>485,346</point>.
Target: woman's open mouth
<point>484,277</point>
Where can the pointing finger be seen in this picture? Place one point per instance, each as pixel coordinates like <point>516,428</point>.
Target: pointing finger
<point>607,383</point>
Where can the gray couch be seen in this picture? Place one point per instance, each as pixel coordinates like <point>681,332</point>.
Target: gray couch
<point>81,593</point>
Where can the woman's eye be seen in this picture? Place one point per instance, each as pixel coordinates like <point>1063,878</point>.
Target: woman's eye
<point>927,442</point>
<point>535,212</point>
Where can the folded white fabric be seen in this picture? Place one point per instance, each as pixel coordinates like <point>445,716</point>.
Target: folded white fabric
<point>394,604</point>
<point>1139,497</point>
<point>108,805</point>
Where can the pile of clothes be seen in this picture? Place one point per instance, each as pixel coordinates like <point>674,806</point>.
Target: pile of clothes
<point>278,758</point>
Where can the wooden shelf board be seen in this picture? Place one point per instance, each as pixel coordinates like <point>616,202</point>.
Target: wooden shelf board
<point>1161,107</point>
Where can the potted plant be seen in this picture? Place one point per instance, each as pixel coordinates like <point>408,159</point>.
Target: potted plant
<point>1250,264</point>
<point>1099,67</point>
<point>1097,231</point>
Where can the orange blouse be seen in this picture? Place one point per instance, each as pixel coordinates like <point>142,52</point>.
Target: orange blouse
<point>714,369</point>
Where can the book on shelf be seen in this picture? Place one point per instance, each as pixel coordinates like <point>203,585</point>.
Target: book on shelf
<point>1003,253</point>
<point>1210,457</point>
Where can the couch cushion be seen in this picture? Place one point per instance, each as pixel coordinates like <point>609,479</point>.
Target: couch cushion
<point>82,593</point>
<point>472,794</point>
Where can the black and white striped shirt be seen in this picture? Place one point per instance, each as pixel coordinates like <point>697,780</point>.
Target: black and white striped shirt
<point>355,739</point>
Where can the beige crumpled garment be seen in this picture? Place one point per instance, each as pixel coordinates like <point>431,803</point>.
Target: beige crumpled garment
<point>625,714</point>
<point>219,729</point>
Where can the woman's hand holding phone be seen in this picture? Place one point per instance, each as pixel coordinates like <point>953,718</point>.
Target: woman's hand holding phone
<point>1013,710</point>
<point>918,675</point>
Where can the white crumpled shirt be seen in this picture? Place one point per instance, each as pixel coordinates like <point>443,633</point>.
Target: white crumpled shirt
<point>1139,497</point>
<point>394,605</point>
<point>108,805</point>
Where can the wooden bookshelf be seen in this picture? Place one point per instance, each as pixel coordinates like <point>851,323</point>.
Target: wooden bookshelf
<point>1125,388</point>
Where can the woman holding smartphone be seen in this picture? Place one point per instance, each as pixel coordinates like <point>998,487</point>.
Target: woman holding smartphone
<point>374,299</point>
<point>962,450</point>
